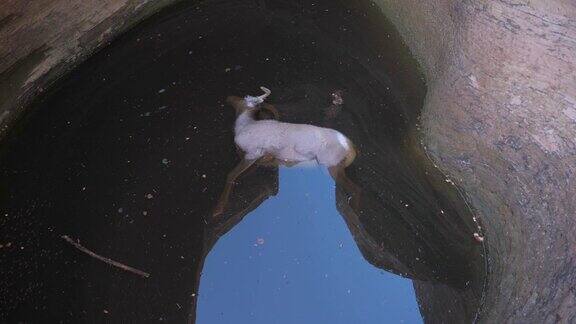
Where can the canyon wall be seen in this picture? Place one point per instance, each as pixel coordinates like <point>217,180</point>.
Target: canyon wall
<point>500,118</point>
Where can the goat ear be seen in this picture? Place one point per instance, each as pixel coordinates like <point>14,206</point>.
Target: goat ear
<point>234,101</point>
<point>272,109</point>
<point>231,99</point>
<point>237,103</point>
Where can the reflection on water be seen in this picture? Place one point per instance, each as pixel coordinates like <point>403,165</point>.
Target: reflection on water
<point>293,260</point>
<point>130,153</point>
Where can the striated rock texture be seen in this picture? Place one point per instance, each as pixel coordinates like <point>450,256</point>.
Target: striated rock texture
<point>42,40</point>
<point>500,116</point>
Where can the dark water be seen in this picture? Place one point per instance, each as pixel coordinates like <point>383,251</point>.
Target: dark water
<point>131,151</point>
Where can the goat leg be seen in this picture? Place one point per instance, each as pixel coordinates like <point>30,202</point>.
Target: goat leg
<point>338,173</point>
<point>230,181</point>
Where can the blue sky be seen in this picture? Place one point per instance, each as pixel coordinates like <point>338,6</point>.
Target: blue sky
<point>293,260</point>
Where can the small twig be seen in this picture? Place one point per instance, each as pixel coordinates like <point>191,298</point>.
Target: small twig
<point>106,260</point>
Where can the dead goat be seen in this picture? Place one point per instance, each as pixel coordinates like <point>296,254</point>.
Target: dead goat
<point>279,143</point>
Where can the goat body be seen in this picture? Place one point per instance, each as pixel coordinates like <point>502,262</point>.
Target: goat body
<point>291,143</point>
<point>285,143</point>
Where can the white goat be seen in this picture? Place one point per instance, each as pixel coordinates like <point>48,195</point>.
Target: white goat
<point>279,143</point>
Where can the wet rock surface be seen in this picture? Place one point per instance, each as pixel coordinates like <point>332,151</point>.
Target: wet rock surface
<point>42,40</point>
<point>129,154</point>
<point>498,117</point>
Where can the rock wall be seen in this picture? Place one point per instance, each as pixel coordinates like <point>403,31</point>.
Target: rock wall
<point>42,40</point>
<point>500,117</point>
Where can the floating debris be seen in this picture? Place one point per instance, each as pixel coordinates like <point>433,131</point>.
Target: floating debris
<point>478,237</point>
<point>104,259</point>
<point>337,98</point>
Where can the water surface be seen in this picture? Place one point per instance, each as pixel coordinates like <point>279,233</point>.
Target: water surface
<point>293,260</point>
<point>129,153</point>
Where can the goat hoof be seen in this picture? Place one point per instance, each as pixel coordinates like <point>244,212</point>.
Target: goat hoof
<point>355,203</point>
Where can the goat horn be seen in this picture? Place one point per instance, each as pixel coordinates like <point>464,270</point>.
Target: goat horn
<point>267,92</point>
